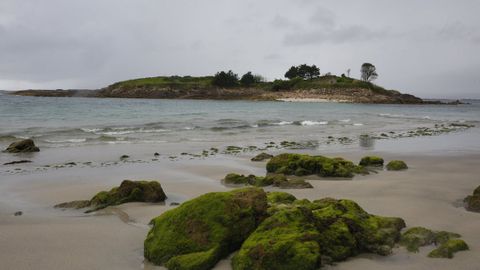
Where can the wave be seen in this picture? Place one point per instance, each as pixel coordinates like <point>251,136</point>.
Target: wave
<point>404,116</point>
<point>67,141</point>
<point>313,123</point>
<point>357,124</point>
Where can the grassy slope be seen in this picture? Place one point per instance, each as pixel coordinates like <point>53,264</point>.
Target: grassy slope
<point>188,82</point>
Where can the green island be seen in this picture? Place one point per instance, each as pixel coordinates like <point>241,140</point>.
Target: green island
<point>302,83</point>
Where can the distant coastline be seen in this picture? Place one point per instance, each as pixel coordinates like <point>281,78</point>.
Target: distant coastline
<point>328,88</point>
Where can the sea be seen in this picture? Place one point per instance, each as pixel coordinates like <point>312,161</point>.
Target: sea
<point>176,128</point>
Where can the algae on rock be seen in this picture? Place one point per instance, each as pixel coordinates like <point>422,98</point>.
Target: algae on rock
<point>199,232</point>
<point>396,165</point>
<point>472,202</point>
<point>301,165</point>
<point>371,161</point>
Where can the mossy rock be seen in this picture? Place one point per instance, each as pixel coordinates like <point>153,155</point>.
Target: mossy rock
<point>128,191</point>
<point>417,237</point>
<point>396,165</point>
<point>23,146</point>
<point>294,184</point>
<point>297,235</point>
<point>199,232</point>
<point>301,165</point>
<point>258,181</point>
<point>236,179</point>
<point>285,240</point>
<point>448,249</point>
<point>447,242</point>
<point>262,157</point>
<point>371,161</point>
<point>280,197</point>
<point>472,203</point>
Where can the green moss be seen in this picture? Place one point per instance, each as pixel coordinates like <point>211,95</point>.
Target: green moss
<point>396,165</point>
<point>448,249</point>
<point>261,157</point>
<point>300,165</point>
<point>285,240</point>
<point>472,203</point>
<point>199,232</point>
<point>294,184</point>
<point>417,237</point>
<point>236,179</point>
<point>280,197</point>
<point>371,161</point>
<point>128,191</point>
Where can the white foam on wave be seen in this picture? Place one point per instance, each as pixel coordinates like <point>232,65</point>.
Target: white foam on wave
<point>313,123</point>
<point>345,120</point>
<point>357,124</point>
<point>67,141</point>
<point>91,130</point>
<point>283,123</point>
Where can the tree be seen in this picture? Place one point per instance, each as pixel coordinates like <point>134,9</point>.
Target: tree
<point>368,72</point>
<point>225,79</point>
<point>303,71</point>
<point>247,79</point>
<point>292,73</point>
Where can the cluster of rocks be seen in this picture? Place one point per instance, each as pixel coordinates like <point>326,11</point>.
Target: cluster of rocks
<point>374,161</point>
<point>275,230</point>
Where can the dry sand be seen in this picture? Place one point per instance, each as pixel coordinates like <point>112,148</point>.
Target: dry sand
<point>47,238</point>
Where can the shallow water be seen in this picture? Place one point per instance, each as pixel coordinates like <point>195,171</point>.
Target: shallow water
<point>67,122</point>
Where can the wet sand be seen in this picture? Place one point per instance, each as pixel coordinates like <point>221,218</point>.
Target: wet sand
<point>46,238</point>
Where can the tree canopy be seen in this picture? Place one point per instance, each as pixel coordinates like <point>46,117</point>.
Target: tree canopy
<point>303,71</point>
<point>368,72</point>
<point>225,79</point>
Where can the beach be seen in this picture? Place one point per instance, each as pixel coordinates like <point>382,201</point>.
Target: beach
<point>443,169</point>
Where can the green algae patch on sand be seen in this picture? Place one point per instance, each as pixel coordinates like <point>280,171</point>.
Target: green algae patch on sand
<point>199,232</point>
<point>128,191</point>
<point>316,233</point>
<point>472,202</point>
<point>285,240</point>
<point>396,165</point>
<point>280,197</point>
<point>371,161</point>
<point>302,165</point>
<point>448,249</point>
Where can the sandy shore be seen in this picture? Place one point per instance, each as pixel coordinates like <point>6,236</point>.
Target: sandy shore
<point>47,238</point>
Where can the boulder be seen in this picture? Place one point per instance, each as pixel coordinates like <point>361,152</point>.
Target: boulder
<point>472,202</point>
<point>371,161</point>
<point>396,165</point>
<point>128,191</point>
<point>301,165</point>
<point>448,249</point>
<point>261,157</point>
<point>23,146</point>
<point>200,232</point>
<point>304,234</point>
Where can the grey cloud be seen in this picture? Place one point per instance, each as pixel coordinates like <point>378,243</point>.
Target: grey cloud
<point>323,17</point>
<point>354,33</point>
<point>459,31</point>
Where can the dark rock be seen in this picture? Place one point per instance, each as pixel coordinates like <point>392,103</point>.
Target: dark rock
<point>123,157</point>
<point>17,162</point>
<point>156,154</point>
<point>18,213</point>
<point>472,202</point>
<point>174,203</point>
<point>24,146</point>
<point>128,191</point>
<point>262,157</point>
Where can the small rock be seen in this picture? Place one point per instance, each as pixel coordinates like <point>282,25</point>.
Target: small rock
<point>261,157</point>
<point>18,213</point>
<point>23,146</point>
<point>174,203</point>
<point>156,154</point>
<point>124,157</point>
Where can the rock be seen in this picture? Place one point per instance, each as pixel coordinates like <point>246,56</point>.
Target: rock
<point>128,191</point>
<point>448,248</point>
<point>123,157</point>
<point>280,197</point>
<point>472,203</point>
<point>371,161</point>
<point>304,234</point>
<point>17,162</point>
<point>294,184</point>
<point>262,157</point>
<point>18,213</point>
<point>396,165</point>
<point>156,154</point>
<point>236,179</point>
<point>300,165</point>
<point>200,232</point>
<point>23,146</point>
<point>174,203</point>
<point>447,242</point>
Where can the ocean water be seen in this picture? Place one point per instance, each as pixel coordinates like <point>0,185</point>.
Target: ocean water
<point>72,122</point>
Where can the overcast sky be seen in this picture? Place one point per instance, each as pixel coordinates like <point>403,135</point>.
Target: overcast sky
<point>430,48</point>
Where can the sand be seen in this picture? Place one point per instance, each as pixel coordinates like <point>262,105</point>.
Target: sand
<point>47,238</point>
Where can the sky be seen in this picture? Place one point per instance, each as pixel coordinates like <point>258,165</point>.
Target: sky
<point>428,48</point>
